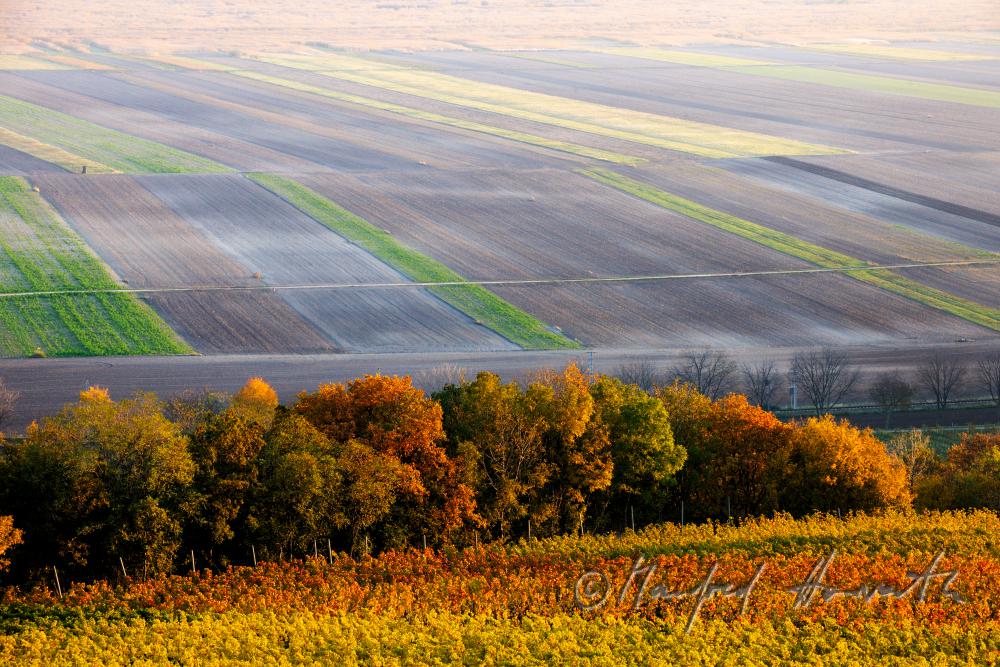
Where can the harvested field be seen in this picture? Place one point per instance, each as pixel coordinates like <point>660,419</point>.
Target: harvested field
<point>149,246</point>
<point>286,247</point>
<point>39,254</point>
<point>948,220</point>
<point>50,154</point>
<point>790,245</point>
<point>16,163</point>
<point>490,225</point>
<point>664,132</point>
<point>897,52</point>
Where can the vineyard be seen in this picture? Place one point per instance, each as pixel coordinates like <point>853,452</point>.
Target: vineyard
<point>515,604</point>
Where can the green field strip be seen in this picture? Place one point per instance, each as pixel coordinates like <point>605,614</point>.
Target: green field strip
<point>703,139</point>
<point>49,153</point>
<point>42,254</point>
<point>835,78</point>
<point>513,135</point>
<point>795,247</point>
<point>110,148</point>
<point>475,301</point>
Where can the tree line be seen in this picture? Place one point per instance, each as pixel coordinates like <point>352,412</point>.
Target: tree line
<point>145,485</point>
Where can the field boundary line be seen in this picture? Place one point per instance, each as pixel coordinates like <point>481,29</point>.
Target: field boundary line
<point>791,245</point>
<point>502,282</point>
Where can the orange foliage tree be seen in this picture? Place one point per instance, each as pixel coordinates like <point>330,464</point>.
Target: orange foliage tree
<point>256,401</point>
<point>9,537</point>
<point>838,466</point>
<point>393,418</point>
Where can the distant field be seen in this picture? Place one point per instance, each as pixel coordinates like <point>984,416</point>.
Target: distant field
<point>837,78</point>
<point>789,245</point>
<point>114,149</point>
<point>897,52</point>
<point>39,254</point>
<point>26,62</point>
<point>534,140</point>
<point>477,302</point>
<point>701,139</point>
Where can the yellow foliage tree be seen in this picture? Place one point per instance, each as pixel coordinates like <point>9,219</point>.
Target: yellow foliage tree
<point>838,466</point>
<point>9,537</point>
<point>256,402</point>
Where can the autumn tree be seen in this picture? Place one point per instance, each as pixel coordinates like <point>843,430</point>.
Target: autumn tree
<point>836,466</point>
<point>576,449</point>
<point>9,537</point>
<point>393,418</point>
<point>913,448</point>
<point>298,497</point>
<point>501,429</point>
<point>225,451</point>
<point>256,402</point>
<point>100,481</point>
<point>969,477</point>
<point>644,455</point>
<point>192,408</point>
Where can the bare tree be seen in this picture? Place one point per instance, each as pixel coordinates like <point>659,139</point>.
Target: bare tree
<point>761,382</point>
<point>8,398</point>
<point>710,372</point>
<point>989,373</point>
<point>438,377</point>
<point>891,392</point>
<point>824,377</point>
<point>643,374</point>
<point>940,376</point>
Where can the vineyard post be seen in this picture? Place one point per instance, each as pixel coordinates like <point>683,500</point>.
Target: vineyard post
<point>631,509</point>
<point>682,515</point>
<point>315,549</point>
<point>192,562</point>
<point>58,585</point>
<point>329,550</point>
<point>253,552</point>
<point>122,562</point>
<point>425,541</point>
<point>529,530</point>
<point>729,514</point>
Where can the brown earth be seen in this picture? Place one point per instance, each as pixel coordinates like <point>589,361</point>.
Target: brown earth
<point>149,246</point>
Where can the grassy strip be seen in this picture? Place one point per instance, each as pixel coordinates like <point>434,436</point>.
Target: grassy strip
<point>639,127</point>
<point>43,254</point>
<point>522,137</point>
<point>473,300</point>
<point>49,153</point>
<point>795,247</point>
<point>114,149</point>
<point>824,77</point>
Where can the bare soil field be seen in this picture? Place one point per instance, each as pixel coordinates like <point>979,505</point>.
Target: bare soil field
<point>816,219</point>
<point>287,248</point>
<point>16,163</point>
<point>964,222</point>
<point>491,225</point>
<point>150,246</point>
